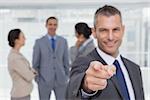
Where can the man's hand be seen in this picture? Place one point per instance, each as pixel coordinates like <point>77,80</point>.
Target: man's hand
<point>96,76</point>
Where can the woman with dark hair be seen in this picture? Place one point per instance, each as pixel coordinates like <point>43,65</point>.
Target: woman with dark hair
<point>84,43</point>
<point>19,68</point>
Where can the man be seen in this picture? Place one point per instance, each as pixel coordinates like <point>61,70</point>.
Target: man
<point>50,60</point>
<point>93,77</point>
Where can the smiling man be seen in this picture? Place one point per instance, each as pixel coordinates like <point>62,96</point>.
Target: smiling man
<point>104,74</point>
<point>50,60</point>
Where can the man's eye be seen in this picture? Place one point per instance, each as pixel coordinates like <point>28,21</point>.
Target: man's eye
<point>116,29</point>
<point>102,30</point>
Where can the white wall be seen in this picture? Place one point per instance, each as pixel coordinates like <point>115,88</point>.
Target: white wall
<point>69,13</point>
<point>69,3</point>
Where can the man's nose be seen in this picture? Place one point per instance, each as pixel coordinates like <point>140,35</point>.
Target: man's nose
<point>110,35</point>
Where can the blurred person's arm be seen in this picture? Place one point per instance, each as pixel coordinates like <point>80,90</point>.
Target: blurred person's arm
<point>23,69</point>
<point>74,50</point>
<point>36,58</point>
<point>88,78</point>
<point>66,59</point>
<point>73,53</point>
<point>86,94</point>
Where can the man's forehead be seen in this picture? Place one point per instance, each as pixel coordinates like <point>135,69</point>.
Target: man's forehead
<point>52,20</point>
<point>108,20</point>
<point>108,17</point>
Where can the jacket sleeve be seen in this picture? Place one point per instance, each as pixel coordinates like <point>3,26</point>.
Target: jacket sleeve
<point>36,56</point>
<point>73,53</point>
<point>79,67</point>
<point>23,69</point>
<point>66,59</point>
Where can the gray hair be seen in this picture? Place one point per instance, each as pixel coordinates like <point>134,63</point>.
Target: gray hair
<point>108,11</point>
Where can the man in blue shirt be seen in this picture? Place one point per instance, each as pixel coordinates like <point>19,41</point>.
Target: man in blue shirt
<point>50,60</point>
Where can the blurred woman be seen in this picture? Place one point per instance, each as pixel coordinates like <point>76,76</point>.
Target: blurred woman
<point>84,43</point>
<point>19,68</point>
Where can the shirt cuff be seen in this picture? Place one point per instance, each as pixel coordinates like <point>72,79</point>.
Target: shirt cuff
<point>85,94</point>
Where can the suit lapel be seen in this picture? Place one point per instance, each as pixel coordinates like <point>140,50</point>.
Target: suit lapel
<point>48,43</point>
<point>132,75</point>
<point>57,43</point>
<point>113,79</point>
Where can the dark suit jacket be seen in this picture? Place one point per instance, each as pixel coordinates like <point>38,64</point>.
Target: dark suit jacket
<point>112,91</point>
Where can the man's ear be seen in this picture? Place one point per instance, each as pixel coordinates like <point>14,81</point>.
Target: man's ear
<point>123,29</point>
<point>94,32</point>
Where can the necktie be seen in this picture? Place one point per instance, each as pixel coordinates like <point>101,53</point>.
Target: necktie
<point>53,43</point>
<point>121,81</point>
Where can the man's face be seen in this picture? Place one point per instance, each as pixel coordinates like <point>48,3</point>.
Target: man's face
<point>109,33</point>
<point>51,26</point>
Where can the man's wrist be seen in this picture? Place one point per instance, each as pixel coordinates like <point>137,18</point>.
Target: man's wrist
<point>85,89</point>
<point>85,94</point>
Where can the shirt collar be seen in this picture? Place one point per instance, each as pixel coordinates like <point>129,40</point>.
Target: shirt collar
<point>107,58</point>
<point>50,37</point>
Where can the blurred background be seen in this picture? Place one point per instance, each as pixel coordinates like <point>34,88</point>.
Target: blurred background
<point>30,16</point>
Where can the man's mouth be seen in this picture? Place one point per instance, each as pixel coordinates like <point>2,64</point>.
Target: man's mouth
<point>110,44</point>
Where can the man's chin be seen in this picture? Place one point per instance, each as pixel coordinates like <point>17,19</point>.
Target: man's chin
<point>110,52</point>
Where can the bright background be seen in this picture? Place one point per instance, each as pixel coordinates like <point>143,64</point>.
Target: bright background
<point>30,16</point>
